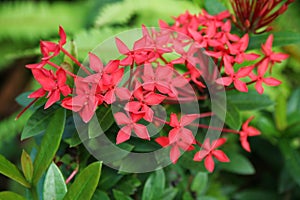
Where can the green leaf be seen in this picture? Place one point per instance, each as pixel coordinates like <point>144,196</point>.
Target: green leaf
<point>154,186</point>
<point>103,122</point>
<point>238,164</point>
<point>280,39</point>
<point>169,193</point>
<point>7,195</point>
<point>248,101</point>
<point>293,107</point>
<point>74,140</point>
<point>100,195</point>
<point>27,166</point>
<point>200,182</point>
<point>129,185</point>
<point>280,112</point>
<point>111,178</point>
<point>214,7</point>
<point>233,118</point>
<point>187,196</point>
<point>120,195</point>
<point>11,171</point>
<point>37,122</point>
<point>292,159</point>
<point>256,194</point>
<point>49,144</point>
<point>54,185</point>
<point>85,184</point>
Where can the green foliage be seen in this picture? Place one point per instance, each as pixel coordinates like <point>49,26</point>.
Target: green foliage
<point>138,12</point>
<point>85,184</point>
<point>10,196</point>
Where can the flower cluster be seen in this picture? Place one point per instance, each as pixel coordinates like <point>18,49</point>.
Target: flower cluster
<point>156,78</point>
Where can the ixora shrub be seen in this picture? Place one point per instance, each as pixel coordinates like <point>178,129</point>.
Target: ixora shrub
<point>142,102</point>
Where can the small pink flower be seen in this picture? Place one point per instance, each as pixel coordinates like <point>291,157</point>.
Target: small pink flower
<point>209,151</point>
<point>247,131</point>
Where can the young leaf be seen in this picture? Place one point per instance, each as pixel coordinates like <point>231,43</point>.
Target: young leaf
<point>11,171</point>
<point>85,184</point>
<point>7,195</point>
<point>49,144</point>
<point>27,166</point>
<point>54,185</point>
<point>37,122</point>
<point>154,186</point>
<point>199,183</point>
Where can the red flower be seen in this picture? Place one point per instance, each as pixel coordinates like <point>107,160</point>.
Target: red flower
<point>51,49</point>
<point>130,125</point>
<point>271,56</point>
<point>234,77</point>
<point>144,100</point>
<point>86,100</point>
<point>246,132</point>
<point>209,151</point>
<point>179,137</point>
<point>259,78</point>
<point>53,84</point>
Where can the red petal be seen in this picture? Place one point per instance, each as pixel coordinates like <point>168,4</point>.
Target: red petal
<point>62,35</point>
<point>245,71</point>
<point>123,134</point>
<point>61,77</point>
<point>258,87</point>
<point>209,163</point>
<point>173,120</point>
<point>220,156</point>
<point>121,118</point>
<point>123,49</point>
<point>240,86</point>
<point>173,135</point>
<point>141,131</point>
<point>154,99</point>
<point>174,154</point>
<point>95,63</point>
<point>162,141</point>
<point>245,144</point>
<point>226,81</point>
<point>54,97</point>
<point>187,119</point>
<point>217,143</point>
<point>38,93</point>
<point>271,81</point>
<point>200,155</point>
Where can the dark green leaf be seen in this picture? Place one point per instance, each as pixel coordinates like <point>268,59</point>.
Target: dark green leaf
<point>154,186</point>
<point>23,99</point>
<point>233,117</point>
<point>120,195</point>
<point>49,144</point>
<point>238,164</point>
<point>292,160</point>
<point>248,101</point>
<point>280,39</point>
<point>85,184</point>
<point>111,178</point>
<point>27,166</point>
<point>199,183</point>
<point>11,171</point>
<point>102,124</point>
<point>280,112</point>
<point>100,195</point>
<point>7,195</point>
<point>74,140</point>
<point>37,122</point>
<point>293,107</point>
<point>214,7</point>
<point>129,185</point>
<point>256,194</point>
<point>54,185</point>
<point>187,196</point>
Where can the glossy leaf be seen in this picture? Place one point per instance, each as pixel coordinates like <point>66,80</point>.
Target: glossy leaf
<point>54,184</point>
<point>27,166</point>
<point>99,194</point>
<point>85,184</point>
<point>238,164</point>
<point>154,186</point>
<point>7,195</point>
<point>37,122</point>
<point>49,144</point>
<point>11,171</point>
<point>280,39</point>
<point>248,101</point>
<point>128,185</point>
<point>233,118</point>
<point>199,183</point>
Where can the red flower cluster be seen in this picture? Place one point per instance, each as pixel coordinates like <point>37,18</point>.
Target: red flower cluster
<point>156,79</point>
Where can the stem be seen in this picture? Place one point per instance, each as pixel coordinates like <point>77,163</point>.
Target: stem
<point>130,76</point>
<point>72,175</point>
<point>30,104</point>
<point>58,67</point>
<point>225,130</point>
<point>34,194</point>
<point>76,61</point>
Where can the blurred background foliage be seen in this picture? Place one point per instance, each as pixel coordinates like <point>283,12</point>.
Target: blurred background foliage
<point>271,171</point>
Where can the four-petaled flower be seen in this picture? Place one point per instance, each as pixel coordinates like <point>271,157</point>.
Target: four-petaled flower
<point>208,151</point>
<point>246,132</point>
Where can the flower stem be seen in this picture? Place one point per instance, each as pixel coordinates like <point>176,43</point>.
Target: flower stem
<point>58,67</point>
<point>76,61</point>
